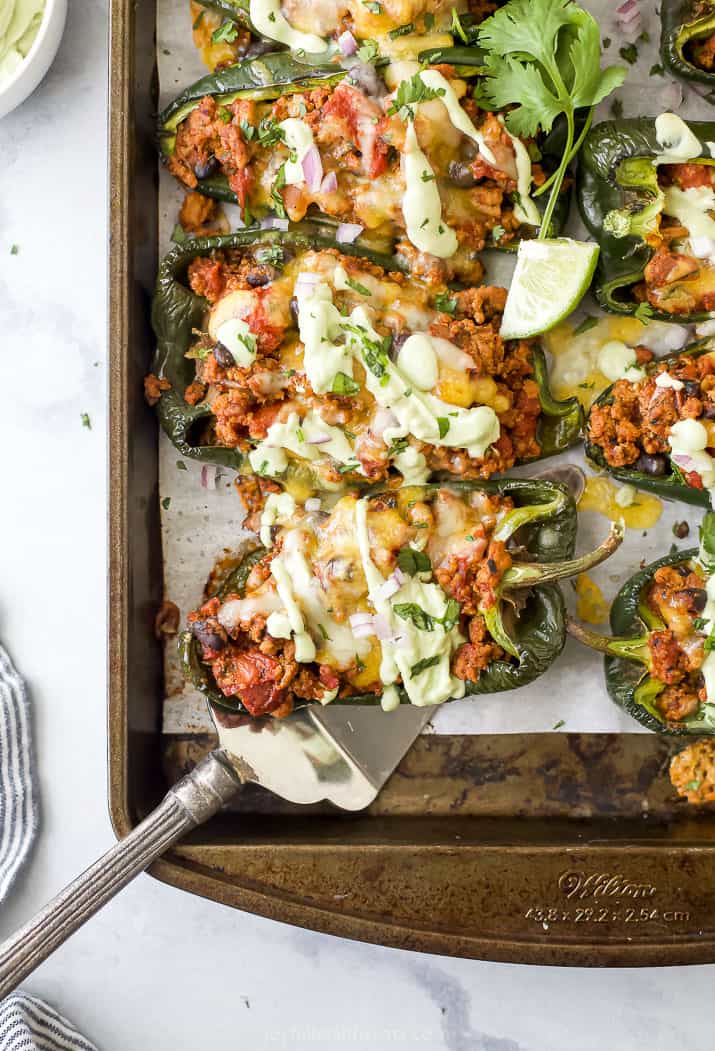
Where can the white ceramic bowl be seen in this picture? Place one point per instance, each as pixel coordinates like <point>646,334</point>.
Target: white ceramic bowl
<point>38,59</point>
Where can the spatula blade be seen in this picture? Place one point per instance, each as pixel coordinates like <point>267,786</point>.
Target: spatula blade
<point>342,754</point>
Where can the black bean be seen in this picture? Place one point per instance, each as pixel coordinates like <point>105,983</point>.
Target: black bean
<point>294,309</point>
<point>259,47</point>
<point>709,410</point>
<point>656,465</point>
<point>224,356</point>
<point>208,636</point>
<point>205,169</point>
<point>258,278</point>
<point>691,388</point>
<point>681,530</point>
<point>461,175</point>
<point>696,598</point>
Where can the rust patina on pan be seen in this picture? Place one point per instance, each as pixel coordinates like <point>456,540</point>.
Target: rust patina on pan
<point>544,848</point>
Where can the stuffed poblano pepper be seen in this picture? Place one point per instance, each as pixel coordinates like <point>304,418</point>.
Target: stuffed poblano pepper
<point>411,158</point>
<point>414,595</point>
<point>226,30</point>
<point>655,428</point>
<point>320,365</point>
<point>647,194</point>
<point>687,42</point>
<point>660,664</point>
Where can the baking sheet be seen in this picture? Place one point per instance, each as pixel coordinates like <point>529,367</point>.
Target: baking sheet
<point>201,525</point>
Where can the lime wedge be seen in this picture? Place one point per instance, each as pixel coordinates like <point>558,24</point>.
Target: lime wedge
<point>550,279</point>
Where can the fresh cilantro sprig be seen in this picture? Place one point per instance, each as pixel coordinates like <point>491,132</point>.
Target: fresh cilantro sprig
<point>409,94</point>
<point>543,58</point>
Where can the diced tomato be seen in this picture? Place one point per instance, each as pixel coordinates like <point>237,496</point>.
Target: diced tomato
<point>240,182</point>
<point>690,175</point>
<point>253,677</point>
<point>328,677</point>
<point>365,125</point>
<point>694,480</point>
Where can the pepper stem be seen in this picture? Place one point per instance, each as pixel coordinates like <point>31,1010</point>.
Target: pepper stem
<point>530,514</point>
<point>633,649</point>
<point>526,574</point>
<point>495,627</point>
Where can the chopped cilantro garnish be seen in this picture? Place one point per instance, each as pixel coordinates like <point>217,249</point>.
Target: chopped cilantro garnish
<point>426,662</point>
<point>86,422</point>
<point>629,53</point>
<point>559,724</point>
<point>344,384</point>
<point>657,70</point>
<point>226,33</point>
<point>412,561</point>
<point>14,249</point>
<point>443,424</point>
<point>166,502</point>
<point>446,303</point>
<point>368,51</point>
<point>644,312</point>
<point>178,235</point>
<point>357,287</point>
<point>409,94</point>
<point>181,466</point>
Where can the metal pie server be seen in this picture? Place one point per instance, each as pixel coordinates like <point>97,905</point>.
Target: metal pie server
<point>342,754</point>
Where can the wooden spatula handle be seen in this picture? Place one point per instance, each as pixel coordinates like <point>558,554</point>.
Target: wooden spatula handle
<point>193,800</point>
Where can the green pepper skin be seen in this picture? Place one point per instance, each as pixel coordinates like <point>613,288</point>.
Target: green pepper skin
<point>672,486</point>
<point>540,631</point>
<point>683,21</point>
<point>622,260</point>
<point>623,676</point>
<point>176,311</point>
<point>269,76</point>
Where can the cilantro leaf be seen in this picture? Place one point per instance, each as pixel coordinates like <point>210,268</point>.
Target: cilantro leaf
<point>409,93</point>
<point>426,662</point>
<point>543,57</point>
<point>226,32</point>
<point>419,617</point>
<point>445,303</point>
<point>412,561</point>
<point>344,384</point>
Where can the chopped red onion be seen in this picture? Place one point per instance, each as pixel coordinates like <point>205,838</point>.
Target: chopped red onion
<point>362,625</point>
<point>318,439</point>
<point>329,183</point>
<point>629,21</point>
<point>208,476</point>
<point>312,169</point>
<point>365,76</point>
<point>663,337</point>
<point>705,329</point>
<point>347,43</point>
<point>273,223</point>
<point>313,504</point>
<point>393,584</point>
<point>346,233</point>
<point>670,97</point>
<point>683,460</point>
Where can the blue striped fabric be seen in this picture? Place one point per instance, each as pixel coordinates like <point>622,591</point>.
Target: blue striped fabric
<point>18,790</point>
<point>28,1024</point>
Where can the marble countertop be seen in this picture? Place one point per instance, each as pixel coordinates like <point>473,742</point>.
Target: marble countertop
<point>158,968</point>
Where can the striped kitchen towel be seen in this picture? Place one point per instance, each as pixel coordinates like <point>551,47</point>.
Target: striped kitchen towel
<point>28,1024</point>
<point>18,788</point>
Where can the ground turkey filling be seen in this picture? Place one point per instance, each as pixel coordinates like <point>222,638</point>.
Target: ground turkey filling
<point>677,596</point>
<point>331,19</point>
<point>245,402</point>
<point>702,53</point>
<point>262,672</point>
<point>676,281</point>
<point>360,150</point>
<point>632,431</point>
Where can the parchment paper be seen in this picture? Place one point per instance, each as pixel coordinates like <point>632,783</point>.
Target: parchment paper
<point>200,525</point>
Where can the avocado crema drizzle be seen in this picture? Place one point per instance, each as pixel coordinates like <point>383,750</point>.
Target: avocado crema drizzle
<point>419,647</point>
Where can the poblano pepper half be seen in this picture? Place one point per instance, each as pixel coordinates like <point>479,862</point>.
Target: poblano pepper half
<point>659,663</point>
<point>671,480</point>
<point>525,616</point>
<point>687,25</point>
<point>622,203</point>
<point>178,314</point>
